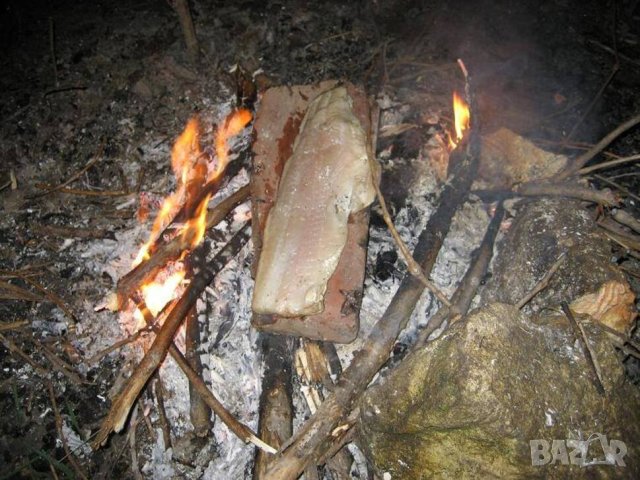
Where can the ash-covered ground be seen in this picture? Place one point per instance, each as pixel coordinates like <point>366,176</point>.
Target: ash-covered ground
<point>109,83</point>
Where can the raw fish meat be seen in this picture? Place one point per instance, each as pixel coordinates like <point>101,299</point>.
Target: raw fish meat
<point>326,178</point>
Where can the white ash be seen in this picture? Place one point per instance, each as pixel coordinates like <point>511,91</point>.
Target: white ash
<point>233,368</point>
<point>160,466</point>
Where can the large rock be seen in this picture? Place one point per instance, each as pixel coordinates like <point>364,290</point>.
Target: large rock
<point>542,230</point>
<point>469,404</point>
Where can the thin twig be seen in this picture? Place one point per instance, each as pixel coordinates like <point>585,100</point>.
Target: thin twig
<point>5,327</point>
<point>13,348</point>
<point>624,338</point>
<point>117,345</point>
<point>53,298</point>
<point>618,186</point>
<point>609,164</point>
<point>543,283</point>
<point>162,414</point>
<point>614,71</point>
<point>69,454</point>
<point>89,193</point>
<point>624,244</point>
<point>603,197</point>
<point>631,240</point>
<point>72,232</point>
<point>412,265</point>
<point>14,292</point>
<point>60,365</point>
<point>586,348</point>
<point>581,161</point>
<point>77,175</point>
<point>132,443</point>
<point>625,218</point>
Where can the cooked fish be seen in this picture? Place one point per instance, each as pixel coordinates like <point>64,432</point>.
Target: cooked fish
<point>326,178</point>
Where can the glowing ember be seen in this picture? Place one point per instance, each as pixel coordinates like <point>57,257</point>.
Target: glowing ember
<point>462,118</point>
<point>157,295</point>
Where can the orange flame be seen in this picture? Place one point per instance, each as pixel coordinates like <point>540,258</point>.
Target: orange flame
<point>193,231</point>
<point>462,118</point>
<point>188,169</point>
<point>192,173</point>
<point>232,126</point>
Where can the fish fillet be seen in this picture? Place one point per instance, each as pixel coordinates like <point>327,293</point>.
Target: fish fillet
<point>326,178</point>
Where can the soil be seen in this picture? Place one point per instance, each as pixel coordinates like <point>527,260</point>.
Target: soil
<point>110,83</point>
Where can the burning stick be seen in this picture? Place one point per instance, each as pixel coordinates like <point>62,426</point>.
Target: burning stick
<point>172,250</point>
<point>197,182</point>
<point>204,274</point>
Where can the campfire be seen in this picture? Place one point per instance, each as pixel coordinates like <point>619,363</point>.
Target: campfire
<point>324,275</point>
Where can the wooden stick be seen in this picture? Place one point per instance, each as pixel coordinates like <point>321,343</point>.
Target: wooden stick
<point>626,219</point>
<point>72,232</point>
<point>609,164</point>
<point>582,160</point>
<point>69,454</point>
<point>14,292</point>
<point>624,243</point>
<point>16,350</point>
<point>466,291</point>
<point>587,194</point>
<point>204,274</point>
<point>317,434</point>
<point>60,365</point>
<point>186,23</point>
<point>199,412</point>
<point>162,414</point>
<point>5,327</point>
<point>75,176</point>
<point>276,405</point>
<point>630,239</point>
<point>88,193</point>
<point>618,186</point>
<point>169,251</point>
<point>587,111</point>
<point>586,348</point>
<point>543,283</point>
<point>119,344</point>
<point>53,298</point>
<point>412,265</point>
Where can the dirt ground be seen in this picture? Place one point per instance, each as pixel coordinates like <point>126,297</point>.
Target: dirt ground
<point>109,85</point>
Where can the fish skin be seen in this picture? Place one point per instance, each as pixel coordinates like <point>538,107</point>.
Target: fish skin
<point>326,178</point>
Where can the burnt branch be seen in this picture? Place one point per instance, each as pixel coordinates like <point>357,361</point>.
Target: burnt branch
<point>204,273</point>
